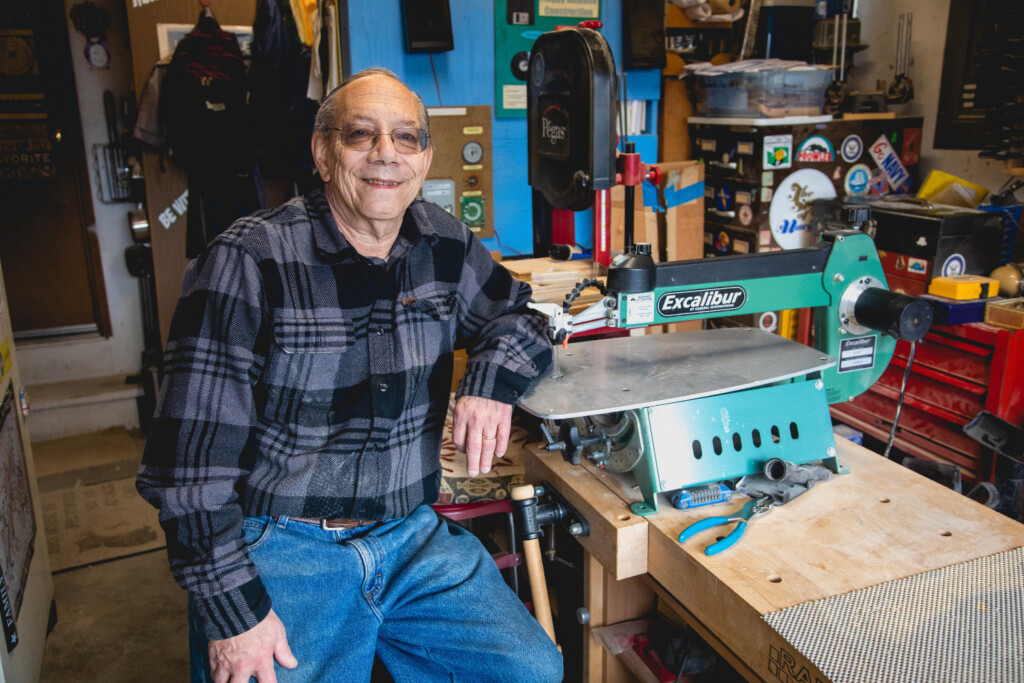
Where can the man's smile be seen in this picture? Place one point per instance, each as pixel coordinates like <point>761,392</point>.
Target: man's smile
<point>382,183</point>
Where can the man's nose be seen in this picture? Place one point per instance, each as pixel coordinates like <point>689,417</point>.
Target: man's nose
<point>384,150</point>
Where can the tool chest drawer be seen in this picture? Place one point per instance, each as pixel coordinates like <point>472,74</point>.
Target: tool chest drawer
<point>958,371</point>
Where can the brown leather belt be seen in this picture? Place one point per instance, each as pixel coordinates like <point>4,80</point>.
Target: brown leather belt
<point>334,524</point>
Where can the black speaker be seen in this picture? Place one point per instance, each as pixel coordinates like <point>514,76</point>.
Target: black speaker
<point>428,26</point>
<point>643,22</point>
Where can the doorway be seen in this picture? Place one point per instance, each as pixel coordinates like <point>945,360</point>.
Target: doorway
<point>50,258</point>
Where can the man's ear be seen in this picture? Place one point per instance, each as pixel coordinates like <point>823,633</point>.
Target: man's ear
<point>322,155</point>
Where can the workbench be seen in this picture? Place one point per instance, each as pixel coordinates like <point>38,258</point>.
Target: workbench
<point>876,575</point>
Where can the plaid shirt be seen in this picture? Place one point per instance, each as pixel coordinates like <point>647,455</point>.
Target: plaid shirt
<point>304,379</point>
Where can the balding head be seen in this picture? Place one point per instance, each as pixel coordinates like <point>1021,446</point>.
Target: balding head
<point>327,115</point>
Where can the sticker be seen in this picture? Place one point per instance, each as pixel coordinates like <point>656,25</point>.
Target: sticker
<point>857,353</point>
<point>473,130</point>
<point>741,247</point>
<point>473,167</point>
<point>513,96</point>
<point>852,148</point>
<point>769,321</point>
<point>723,199</point>
<point>746,214</point>
<point>745,148</point>
<point>707,238</point>
<point>883,153</point>
<point>708,145</point>
<point>175,211</point>
<point>742,197</point>
<point>766,194</point>
<point>857,180</point>
<point>471,211</point>
<point>778,151</point>
<point>579,9</point>
<point>709,192</point>
<point>954,265</point>
<point>764,238</point>
<point>911,146</point>
<point>815,149</point>
<point>767,179</point>
<point>917,265</point>
<point>837,174</point>
<point>640,308</point>
<point>790,211</point>
<point>901,262</point>
<point>878,185</point>
<point>722,242</point>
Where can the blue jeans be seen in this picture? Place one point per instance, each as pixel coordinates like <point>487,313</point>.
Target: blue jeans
<point>422,594</point>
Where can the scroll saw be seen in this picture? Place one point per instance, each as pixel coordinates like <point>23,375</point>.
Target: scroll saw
<point>690,408</point>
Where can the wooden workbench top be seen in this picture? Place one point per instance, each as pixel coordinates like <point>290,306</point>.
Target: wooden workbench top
<point>877,524</point>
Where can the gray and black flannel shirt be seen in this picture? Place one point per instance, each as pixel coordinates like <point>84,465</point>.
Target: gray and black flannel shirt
<point>304,379</point>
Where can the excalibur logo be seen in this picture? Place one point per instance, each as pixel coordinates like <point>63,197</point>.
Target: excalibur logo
<point>550,131</point>
<point>701,301</point>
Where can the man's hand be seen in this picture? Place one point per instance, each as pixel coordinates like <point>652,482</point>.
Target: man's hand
<point>480,430</point>
<point>234,660</point>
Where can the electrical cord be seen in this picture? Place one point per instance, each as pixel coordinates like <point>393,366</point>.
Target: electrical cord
<point>436,84</point>
<point>899,402</point>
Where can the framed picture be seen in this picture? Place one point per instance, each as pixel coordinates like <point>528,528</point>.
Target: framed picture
<point>169,35</point>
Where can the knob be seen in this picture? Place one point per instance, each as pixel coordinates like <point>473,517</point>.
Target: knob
<point>583,616</point>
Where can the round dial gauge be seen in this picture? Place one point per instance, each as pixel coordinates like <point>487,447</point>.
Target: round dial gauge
<point>473,152</point>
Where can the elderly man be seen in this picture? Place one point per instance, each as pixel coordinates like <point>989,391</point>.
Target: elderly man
<point>296,446</point>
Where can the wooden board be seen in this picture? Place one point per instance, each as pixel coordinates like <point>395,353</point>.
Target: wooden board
<point>452,129</point>
<point>879,523</point>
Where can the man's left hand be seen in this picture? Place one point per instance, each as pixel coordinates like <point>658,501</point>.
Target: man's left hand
<point>480,430</point>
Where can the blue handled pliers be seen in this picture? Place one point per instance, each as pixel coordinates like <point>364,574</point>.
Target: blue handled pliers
<point>755,507</point>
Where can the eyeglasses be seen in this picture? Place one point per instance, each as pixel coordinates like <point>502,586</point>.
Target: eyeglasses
<point>364,138</point>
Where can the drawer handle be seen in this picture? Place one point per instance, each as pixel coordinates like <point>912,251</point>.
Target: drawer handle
<point>722,214</point>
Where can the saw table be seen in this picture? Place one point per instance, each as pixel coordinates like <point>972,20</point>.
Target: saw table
<point>876,575</point>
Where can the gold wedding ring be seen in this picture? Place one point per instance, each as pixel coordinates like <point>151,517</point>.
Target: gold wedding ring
<point>492,437</point>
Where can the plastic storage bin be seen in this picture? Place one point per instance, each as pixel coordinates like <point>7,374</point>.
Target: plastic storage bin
<point>762,88</point>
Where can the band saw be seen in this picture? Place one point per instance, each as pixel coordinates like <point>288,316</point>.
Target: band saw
<point>683,409</point>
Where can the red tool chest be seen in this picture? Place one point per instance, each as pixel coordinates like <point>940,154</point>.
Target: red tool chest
<point>958,371</point>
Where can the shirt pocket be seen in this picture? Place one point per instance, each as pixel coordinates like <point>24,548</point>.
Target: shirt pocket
<point>437,306</point>
<point>302,375</point>
<point>312,335</point>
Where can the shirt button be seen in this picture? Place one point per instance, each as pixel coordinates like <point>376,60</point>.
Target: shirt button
<point>380,331</point>
<point>383,386</point>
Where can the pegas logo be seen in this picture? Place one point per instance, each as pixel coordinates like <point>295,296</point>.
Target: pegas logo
<point>702,301</point>
<point>554,125</point>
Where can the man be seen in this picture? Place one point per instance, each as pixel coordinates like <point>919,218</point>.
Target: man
<point>297,439</point>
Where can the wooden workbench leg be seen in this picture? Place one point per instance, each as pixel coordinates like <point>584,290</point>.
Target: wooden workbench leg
<point>609,602</point>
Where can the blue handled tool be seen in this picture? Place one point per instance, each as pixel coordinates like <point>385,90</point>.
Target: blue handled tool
<point>755,507</point>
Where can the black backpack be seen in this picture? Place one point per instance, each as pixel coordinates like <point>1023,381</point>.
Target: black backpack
<point>204,101</point>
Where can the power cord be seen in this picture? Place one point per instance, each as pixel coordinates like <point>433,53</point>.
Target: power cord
<point>899,402</point>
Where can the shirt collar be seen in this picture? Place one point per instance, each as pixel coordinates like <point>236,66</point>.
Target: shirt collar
<point>331,245</point>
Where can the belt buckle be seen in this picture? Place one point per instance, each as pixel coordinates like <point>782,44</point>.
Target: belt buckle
<point>326,525</point>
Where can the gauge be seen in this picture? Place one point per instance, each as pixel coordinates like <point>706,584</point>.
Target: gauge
<point>473,152</point>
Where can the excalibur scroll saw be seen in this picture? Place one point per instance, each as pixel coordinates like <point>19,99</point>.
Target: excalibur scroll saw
<point>689,408</point>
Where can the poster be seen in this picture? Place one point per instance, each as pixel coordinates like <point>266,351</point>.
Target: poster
<point>17,522</point>
<point>517,25</point>
<point>26,149</point>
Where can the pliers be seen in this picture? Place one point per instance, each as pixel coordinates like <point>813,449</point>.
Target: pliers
<point>755,507</point>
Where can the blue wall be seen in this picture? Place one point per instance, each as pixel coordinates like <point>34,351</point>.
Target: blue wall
<point>465,76</point>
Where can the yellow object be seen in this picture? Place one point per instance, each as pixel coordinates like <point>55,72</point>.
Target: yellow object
<point>964,287</point>
<point>945,188</point>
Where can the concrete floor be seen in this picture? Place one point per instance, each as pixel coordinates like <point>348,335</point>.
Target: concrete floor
<point>120,620</point>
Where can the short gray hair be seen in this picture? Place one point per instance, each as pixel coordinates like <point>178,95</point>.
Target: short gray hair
<point>327,115</point>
